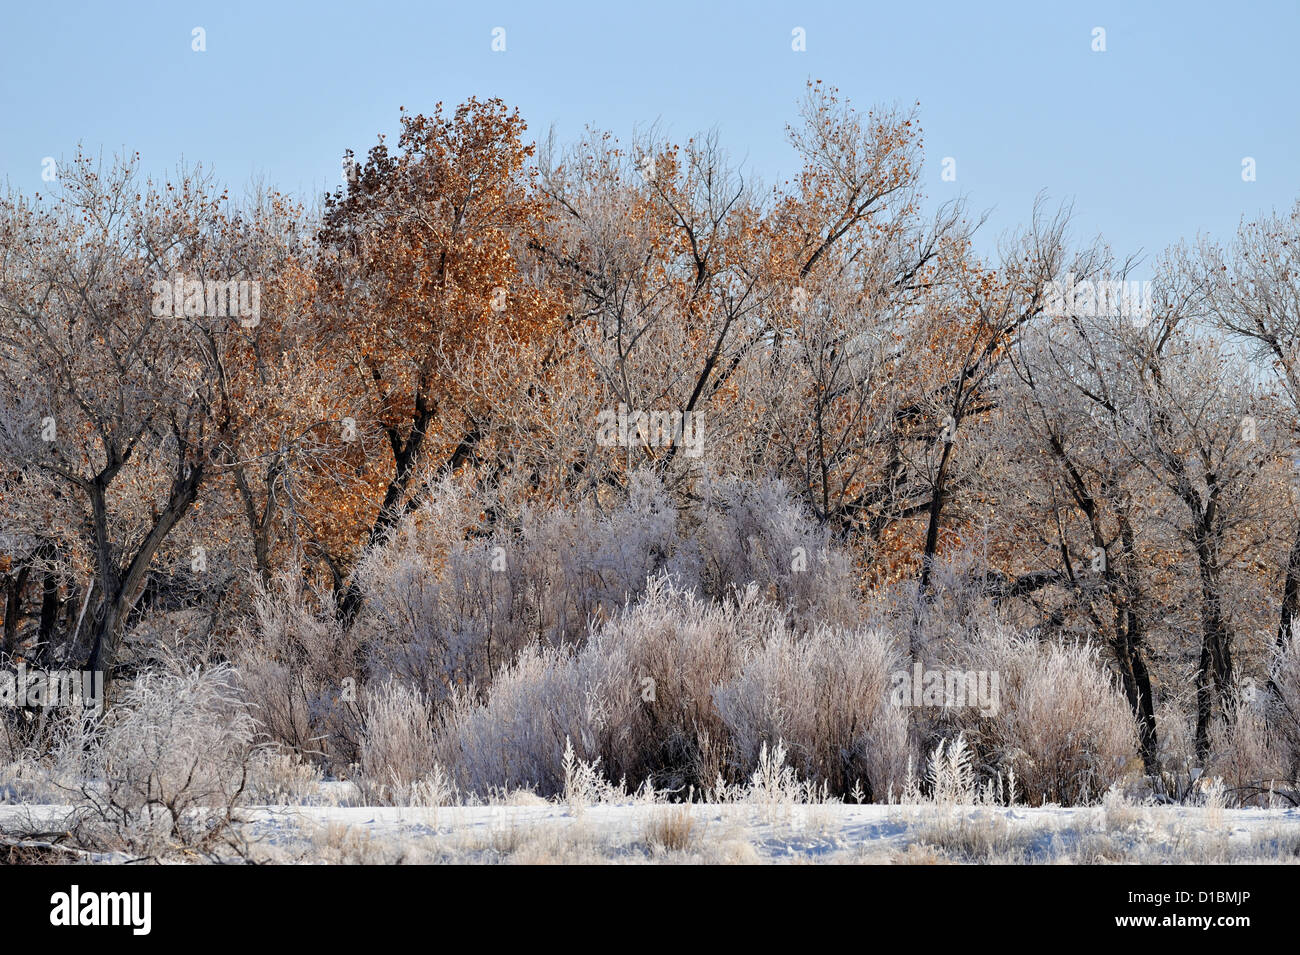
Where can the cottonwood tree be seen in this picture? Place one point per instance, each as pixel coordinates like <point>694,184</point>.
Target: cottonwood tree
<point>827,332</point>
<point>422,286</point>
<point>662,248</point>
<point>696,292</point>
<point>1061,413</point>
<point>111,394</point>
<point>288,398</point>
<point>1189,400</point>
<point>847,354</point>
<point>976,328</point>
<point>1253,293</point>
<point>1146,442</point>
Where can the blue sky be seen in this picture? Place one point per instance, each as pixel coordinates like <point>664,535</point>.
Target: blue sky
<point>1147,138</point>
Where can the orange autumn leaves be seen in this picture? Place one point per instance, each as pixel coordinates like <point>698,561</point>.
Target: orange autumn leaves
<point>421,289</point>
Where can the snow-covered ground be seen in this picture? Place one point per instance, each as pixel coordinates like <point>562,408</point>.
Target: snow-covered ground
<point>536,831</point>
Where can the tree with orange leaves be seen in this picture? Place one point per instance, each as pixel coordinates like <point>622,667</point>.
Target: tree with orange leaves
<point>422,284</point>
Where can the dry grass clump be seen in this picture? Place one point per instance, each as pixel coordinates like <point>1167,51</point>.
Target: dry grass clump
<point>826,697</point>
<point>1062,724</point>
<point>672,829</point>
<point>397,750</point>
<point>1247,753</point>
<point>974,836</point>
<point>283,779</point>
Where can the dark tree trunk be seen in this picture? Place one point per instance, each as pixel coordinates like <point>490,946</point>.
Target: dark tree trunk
<point>1203,708</point>
<point>1214,674</point>
<point>348,597</point>
<point>931,548</point>
<point>1290,594</point>
<point>50,607</point>
<point>14,609</point>
<point>1134,634</point>
<point>1137,688</point>
<point>120,587</point>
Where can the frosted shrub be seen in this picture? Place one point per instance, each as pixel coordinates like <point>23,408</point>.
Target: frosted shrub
<point>437,613</point>
<point>443,615</point>
<point>293,667</point>
<point>1246,753</point>
<point>591,564</point>
<point>827,695</point>
<point>955,611</point>
<point>1214,798</point>
<point>518,737</point>
<point>1176,733</point>
<point>638,696</point>
<point>1285,706</point>
<point>396,743</point>
<point>676,691</point>
<point>165,768</point>
<point>748,532</point>
<point>951,774</point>
<point>583,782</point>
<point>679,649</point>
<point>773,782</point>
<point>1062,724</point>
<point>439,621</point>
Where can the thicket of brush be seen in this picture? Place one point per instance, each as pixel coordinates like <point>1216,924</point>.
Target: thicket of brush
<point>639,645</point>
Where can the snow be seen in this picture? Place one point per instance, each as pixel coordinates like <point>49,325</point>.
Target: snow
<point>748,832</point>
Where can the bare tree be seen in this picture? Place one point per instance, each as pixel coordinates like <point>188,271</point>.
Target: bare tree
<point>118,325</point>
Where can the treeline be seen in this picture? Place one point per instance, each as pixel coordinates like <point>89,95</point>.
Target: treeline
<point>209,405</point>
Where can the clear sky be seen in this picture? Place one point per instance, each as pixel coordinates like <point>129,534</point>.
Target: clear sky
<point>1147,138</point>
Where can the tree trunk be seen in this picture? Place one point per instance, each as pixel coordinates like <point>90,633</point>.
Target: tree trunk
<point>1135,665</point>
<point>1203,709</point>
<point>120,588</point>
<point>14,609</point>
<point>1215,669</point>
<point>1290,594</point>
<point>931,548</point>
<point>50,606</point>
<point>1137,688</point>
